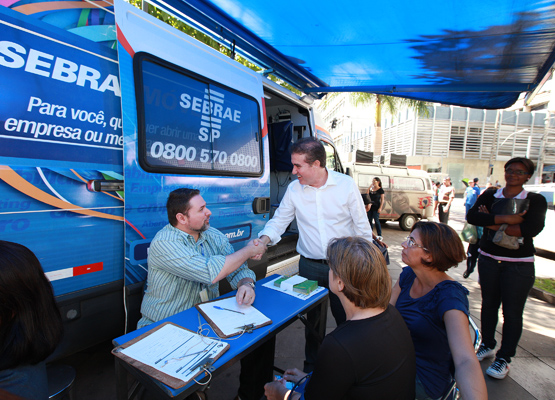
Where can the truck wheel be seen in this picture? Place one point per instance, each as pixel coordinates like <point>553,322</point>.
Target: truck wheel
<point>407,221</point>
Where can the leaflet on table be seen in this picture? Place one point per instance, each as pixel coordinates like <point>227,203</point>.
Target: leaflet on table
<point>231,318</point>
<point>175,351</point>
<point>288,288</point>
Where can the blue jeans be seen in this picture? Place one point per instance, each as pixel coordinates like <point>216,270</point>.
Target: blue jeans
<point>506,283</point>
<point>374,218</point>
<point>318,272</point>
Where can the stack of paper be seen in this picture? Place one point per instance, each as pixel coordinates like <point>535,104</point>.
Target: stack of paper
<point>297,284</point>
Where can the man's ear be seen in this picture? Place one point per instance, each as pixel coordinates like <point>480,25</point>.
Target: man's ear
<point>316,163</point>
<point>181,218</point>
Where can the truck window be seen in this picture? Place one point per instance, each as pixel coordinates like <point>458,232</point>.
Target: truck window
<point>331,162</point>
<point>402,183</point>
<point>189,124</point>
<point>365,180</point>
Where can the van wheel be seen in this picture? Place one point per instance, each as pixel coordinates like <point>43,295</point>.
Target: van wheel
<point>407,222</point>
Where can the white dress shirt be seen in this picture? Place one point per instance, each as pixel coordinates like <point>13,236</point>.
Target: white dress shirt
<point>331,211</point>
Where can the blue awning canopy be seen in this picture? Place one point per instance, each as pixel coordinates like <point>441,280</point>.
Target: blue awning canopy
<point>471,53</point>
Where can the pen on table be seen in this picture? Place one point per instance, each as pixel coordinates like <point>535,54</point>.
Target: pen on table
<point>227,309</point>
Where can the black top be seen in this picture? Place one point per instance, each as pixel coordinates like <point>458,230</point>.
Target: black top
<point>366,359</point>
<point>534,221</point>
<point>376,199</point>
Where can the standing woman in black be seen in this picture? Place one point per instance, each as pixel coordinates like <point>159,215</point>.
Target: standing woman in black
<point>377,197</point>
<point>506,275</point>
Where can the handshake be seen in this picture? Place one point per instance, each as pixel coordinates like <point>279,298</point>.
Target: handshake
<point>257,247</point>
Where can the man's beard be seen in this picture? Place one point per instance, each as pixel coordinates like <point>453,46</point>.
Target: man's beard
<point>204,227</point>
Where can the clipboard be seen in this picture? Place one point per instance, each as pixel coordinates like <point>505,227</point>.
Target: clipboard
<point>227,323</point>
<point>191,367</point>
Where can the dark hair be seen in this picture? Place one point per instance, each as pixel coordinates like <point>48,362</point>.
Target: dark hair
<point>178,202</point>
<point>312,148</point>
<point>528,164</point>
<point>362,268</point>
<point>378,180</point>
<point>442,242</point>
<point>30,322</point>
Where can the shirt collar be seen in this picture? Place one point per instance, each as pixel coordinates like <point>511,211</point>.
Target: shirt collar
<point>330,181</point>
<point>499,194</point>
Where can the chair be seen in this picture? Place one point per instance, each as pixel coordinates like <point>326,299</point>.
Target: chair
<point>60,381</point>
<point>453,391</point>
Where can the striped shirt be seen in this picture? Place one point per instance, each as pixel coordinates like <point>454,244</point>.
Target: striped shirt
<point>179,268</point>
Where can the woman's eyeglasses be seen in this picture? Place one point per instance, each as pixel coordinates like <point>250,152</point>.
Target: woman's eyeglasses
<point>411,243</point>
<point>515,172</point>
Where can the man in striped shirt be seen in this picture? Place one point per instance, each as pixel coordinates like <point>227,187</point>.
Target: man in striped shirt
<point>188,257</point>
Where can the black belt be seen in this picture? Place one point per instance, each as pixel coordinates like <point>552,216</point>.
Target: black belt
<point>325,262</point>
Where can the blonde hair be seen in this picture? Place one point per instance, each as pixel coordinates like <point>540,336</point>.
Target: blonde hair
<point>362,268</point>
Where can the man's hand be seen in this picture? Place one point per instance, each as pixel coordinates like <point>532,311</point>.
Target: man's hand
<point>381,243</point>
<point>245,294</point>
<point>256,248</point>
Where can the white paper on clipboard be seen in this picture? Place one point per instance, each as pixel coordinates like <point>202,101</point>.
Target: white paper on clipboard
<point>174,351</point>
<point>301,296</point>
<point>233,317</point>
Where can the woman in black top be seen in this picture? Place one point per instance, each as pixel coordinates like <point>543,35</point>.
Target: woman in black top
<point>368,357</point>
<point>30,323</point>
<point>506,275</point>
<point>377,197</point>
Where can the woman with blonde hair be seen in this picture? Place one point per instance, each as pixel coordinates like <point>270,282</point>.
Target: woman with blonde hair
<point>369,356</point>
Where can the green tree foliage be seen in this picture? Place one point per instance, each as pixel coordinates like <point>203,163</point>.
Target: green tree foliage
<point>189,30</point>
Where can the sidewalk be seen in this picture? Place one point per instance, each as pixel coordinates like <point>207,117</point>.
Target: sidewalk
<point>532,374</point>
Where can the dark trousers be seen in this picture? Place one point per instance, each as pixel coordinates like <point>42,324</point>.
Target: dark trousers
<point>318,272</point>
<point>257,369</point>
<point>443,216</point>
<point>472,256</point>
<point>506,283</point>
<point>374,218</point>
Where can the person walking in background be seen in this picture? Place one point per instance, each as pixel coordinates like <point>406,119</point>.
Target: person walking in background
<point>435,309</point>
<point>476,187</point>
<point>506,266</point>
<point>436,197</point>
<point>30,323</point>
<point>377,201</point>
<point>446,195</point>
<point>471,195</point>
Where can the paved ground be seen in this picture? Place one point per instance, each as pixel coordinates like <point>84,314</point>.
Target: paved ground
<point>532,373</point>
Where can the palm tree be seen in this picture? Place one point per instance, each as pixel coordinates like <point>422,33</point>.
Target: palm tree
<point>382,104</point>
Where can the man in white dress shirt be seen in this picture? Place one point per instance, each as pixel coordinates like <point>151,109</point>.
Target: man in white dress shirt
<point>327,205</point>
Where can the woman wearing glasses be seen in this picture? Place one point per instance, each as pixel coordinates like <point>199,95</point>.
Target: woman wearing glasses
<point>369,356</point>
<point>435,309</point>
<point>506,274</point>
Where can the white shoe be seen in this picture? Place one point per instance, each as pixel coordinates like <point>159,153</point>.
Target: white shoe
<point>498,369</point>
<point>484,352</point>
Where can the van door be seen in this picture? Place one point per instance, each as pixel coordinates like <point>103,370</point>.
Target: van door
<point>191,118</point>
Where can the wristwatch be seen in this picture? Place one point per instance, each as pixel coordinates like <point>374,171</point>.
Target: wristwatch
<point>249,283</point>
